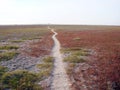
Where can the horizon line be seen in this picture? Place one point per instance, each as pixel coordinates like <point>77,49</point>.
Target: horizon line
<point>60,24</point>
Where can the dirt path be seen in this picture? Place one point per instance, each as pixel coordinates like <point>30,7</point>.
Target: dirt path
<point>60,78</point>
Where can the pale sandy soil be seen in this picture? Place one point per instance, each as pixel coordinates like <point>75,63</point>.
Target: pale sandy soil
<point>60,80</point>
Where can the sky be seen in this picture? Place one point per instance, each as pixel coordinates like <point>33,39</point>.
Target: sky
<point>93,12</point>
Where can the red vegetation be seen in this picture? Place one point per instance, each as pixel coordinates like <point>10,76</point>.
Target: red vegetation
<point>42,47</point>
<point>89,38</point>
<point>104,66</point>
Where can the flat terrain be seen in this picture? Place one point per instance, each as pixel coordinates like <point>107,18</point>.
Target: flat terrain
<point>84,27</point>
<point>59,73</point>
<point>88,56</point>
<point>25,49</point>
<point>22,32</point>
<point>92,55</point>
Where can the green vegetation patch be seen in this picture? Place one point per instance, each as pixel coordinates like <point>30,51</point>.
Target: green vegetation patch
<point>74,59</point>
<point>48,59</point>
<point>2,71</point>
<point>75,55</point>
<point>17,41</point>
<point>43,74</point>
<point>65,50</point>
<point>80,53</point>
<point>7,55</point>
<point>20,80</point>
<point>46,67</point>
<point>74,49</point>
<point>77,39</point>
<point>8,47</point>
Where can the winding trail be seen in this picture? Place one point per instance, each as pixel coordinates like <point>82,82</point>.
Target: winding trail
<point>60,79</point>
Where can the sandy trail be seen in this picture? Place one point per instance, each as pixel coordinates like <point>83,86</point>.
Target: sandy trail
<point>60,78</point>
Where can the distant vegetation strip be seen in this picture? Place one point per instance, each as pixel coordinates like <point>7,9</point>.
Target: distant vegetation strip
<point>8,47</point>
